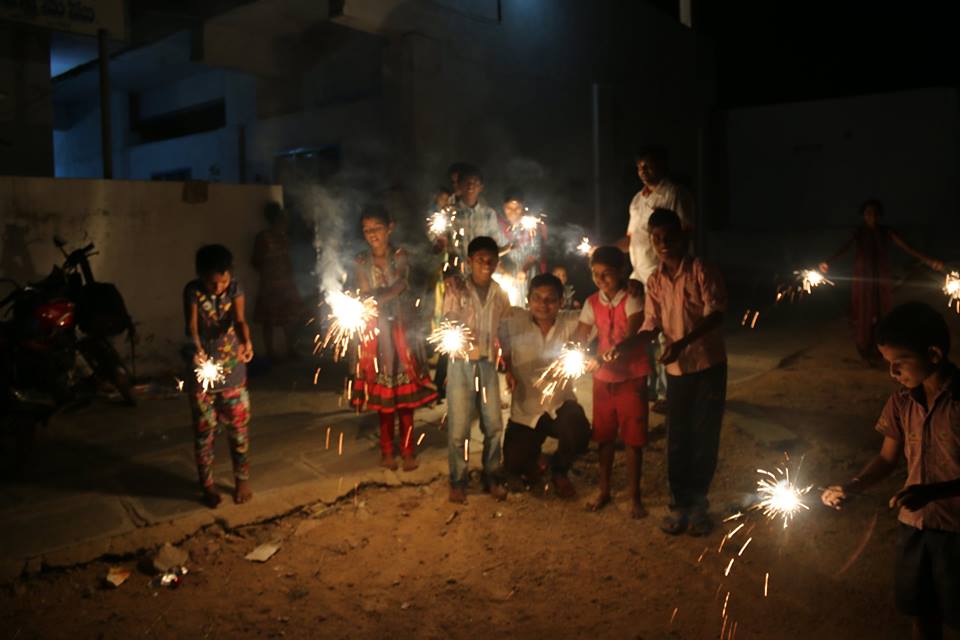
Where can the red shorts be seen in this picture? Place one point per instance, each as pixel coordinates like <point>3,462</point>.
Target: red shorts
<point>620,407</point>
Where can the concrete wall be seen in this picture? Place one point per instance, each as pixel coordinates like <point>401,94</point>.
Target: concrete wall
<point>146,235</point>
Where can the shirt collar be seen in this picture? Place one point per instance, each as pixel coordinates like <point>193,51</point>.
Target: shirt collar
<point>951,385</point>
<point>616,298</point>
<point>685,265</point>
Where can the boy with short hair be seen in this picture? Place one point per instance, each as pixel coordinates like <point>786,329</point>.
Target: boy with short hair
<point>685,301</point>
<point>920,421</point>
<point>473,213</point>
<point>473,384</point>
<point>532,341</point>
<point>619,387</point>
<point>213,307</point>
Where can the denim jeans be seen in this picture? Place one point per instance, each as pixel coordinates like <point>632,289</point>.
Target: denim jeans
<point>463,403</point>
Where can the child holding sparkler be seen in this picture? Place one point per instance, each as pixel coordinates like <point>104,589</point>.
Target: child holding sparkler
<point>473,385</point>
<point>390,377</point>
<point>213,307</point>
<point>871,289</point>
<point>522,238</point>
<point>619,387</point>
<point>921,422</point>
<point>685,301</point>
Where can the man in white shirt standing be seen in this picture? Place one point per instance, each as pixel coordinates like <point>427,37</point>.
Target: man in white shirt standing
<point>531,341</point>
<point>658,192</point>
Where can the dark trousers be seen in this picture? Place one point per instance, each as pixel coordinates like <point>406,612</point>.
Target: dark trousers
<point>521,444</point>
<point>695,410</point>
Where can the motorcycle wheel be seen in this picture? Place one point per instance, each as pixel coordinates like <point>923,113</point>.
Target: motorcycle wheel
<point>106,363</point>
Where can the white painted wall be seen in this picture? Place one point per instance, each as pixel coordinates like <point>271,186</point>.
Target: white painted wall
<point>146,235</point>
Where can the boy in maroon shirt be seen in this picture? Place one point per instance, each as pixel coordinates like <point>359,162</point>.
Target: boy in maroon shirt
<point>921,421</point>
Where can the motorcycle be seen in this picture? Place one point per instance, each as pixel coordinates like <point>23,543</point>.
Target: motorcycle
<point>40,340</point>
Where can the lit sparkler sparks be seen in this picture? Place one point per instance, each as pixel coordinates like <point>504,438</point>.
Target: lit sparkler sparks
<point>804,283</point>
<point>529,223</point>
<point>568,367</point>
<point>440,222</point>
<point>951,287</point>
<point>511,286</point>
<point>779,496</point>
<point>585,248</point>
<point>350,317</point>
<point>209,373</point>
<point>452,339</point>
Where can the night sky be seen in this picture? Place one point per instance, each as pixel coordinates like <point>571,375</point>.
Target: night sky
<point>770,52</point>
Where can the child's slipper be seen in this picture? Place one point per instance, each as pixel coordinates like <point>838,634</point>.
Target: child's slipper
<point>674,524</point>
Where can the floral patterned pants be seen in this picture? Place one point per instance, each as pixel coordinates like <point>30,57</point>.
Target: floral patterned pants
<point>232,408</point>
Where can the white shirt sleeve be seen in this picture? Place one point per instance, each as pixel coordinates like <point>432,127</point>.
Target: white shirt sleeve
<point>586,314</point>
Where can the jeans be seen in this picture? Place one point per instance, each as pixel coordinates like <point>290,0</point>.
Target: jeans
<point>464,401</point>
<point>521,444</point>
<point>695,405</point>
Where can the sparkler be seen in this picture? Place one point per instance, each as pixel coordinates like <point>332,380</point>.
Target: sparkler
<point>529,223</point>
<point>350,317</point>
<point>585,248</point>
<point>511,286</point>
<point>804,283</point>
<point>951,287</point>
<point>779,496</point>
<point>209,373</point>
<point>568,367</point>
<point>440,222</point>
<point>452,339</point>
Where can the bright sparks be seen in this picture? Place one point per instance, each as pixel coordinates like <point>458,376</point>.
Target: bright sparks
<point>568,367</point>
<point>452,339</point>
<point>440,222</point>
<point>530,223</point>
<point>779,496</point>
<point>209,373</point>
<point>951,287</point>
<point>810,279</point>
<point>584,248</point>
<point>511,286</point>
<point>350,317</point>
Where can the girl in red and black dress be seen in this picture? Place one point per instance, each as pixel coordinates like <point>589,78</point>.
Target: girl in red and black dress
<point>391,377</point>
<point>871,287</point>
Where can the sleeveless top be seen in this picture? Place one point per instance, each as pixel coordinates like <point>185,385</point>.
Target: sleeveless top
<point>612,326</point>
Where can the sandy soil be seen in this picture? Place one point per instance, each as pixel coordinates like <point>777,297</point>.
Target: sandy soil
<point>406,563</point>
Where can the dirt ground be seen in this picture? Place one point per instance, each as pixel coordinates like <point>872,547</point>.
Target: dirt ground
<point>406,563</point>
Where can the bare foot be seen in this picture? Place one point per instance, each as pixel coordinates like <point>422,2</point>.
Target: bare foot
<point>387,461</point>
<point>211,498</point>
<point>410,463</point>
<point>602,500</point>
<point>638,511</point>
<point>242,492</point>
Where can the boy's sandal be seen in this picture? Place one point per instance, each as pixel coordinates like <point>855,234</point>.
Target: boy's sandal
<point>700,526</point>
<point>674,524</point>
